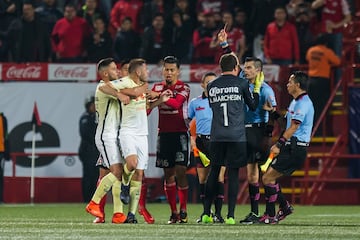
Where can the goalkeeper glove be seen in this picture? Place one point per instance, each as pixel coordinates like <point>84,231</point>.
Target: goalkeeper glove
<point>258,81</point>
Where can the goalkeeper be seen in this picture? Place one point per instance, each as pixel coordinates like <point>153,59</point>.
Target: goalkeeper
<point>258,128</point>
<point>200,110</point>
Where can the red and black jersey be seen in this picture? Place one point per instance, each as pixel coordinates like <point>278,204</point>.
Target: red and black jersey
<point>173,115</point>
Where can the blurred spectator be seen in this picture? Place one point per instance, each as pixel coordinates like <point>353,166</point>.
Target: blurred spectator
<point>188,13</point>
<point>281,44</point>
<point>177,37</point>
<point>69,37</point>
<point>292,9</point>
<point>100,42</point>
<point>321,58</point>
<point>127,42</point>
<point>152,44</point>
<point>49,13</point>
<point>261,15</point>
<point>235,38</point>
<point>90,11</point>
<point>149,10</point>
<point>214,6</point>
<point>202,37</point>
<point>28,37</point>
<point>106,6</point>
<point>8,13</point>
<point>126,8</point>
<point>303,28</point>
<point>334,15</point>
<point>241,22</point>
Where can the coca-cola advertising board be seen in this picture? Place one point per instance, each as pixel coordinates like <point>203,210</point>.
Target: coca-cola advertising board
<point>24,72</point>
<point>198,70</point>
<point>155,73</point>
<point>72,72</point>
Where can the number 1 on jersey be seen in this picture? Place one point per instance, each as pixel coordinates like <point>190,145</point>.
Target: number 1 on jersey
<point>225,111</point>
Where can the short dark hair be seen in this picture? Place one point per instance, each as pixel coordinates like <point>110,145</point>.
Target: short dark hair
<point>207,75</point>
<point>228,62</point>
<point>171,60</point>
<point>257,62</point>
<point>135,63</point>
<point>301,78</point>
<point>103,63</point>
<point>124,61</point>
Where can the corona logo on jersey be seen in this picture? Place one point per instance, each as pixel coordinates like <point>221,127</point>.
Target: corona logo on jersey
<point>224,94</point>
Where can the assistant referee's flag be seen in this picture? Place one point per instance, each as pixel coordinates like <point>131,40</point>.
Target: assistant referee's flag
<point>36,117</point>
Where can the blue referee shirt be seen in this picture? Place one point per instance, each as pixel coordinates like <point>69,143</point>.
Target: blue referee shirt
<point>301,109</point>
<point>260,115</point>
<point>200,109</point>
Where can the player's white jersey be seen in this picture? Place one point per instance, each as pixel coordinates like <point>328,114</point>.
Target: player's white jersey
<point>134,117</point>
<point>108,114</point>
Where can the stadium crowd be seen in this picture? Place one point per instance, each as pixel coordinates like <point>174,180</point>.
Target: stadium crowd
<point>89,30</point>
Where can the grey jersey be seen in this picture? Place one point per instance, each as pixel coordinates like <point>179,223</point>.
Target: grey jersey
<point>227,96</point>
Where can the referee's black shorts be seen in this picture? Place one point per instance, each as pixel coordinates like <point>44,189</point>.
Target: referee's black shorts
<point>203,144</point>
<point>258,143</point>
<point>291,158</point>
<point>229,154</point>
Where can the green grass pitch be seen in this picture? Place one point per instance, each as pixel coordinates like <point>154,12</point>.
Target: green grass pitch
<point>70,221</point>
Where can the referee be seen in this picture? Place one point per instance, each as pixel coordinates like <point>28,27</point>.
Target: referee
<point>290,150</point>
<point>258,134</point>
<point>228,95</point>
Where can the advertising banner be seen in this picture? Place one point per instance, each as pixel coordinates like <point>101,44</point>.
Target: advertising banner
<point>59,106</point>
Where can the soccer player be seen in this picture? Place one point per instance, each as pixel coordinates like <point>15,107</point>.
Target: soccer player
<point>173,150</point>
<point>228,95</point>
<point>200,110</point>
<point>108,111</point>
<point>103,171</point>
<point>133,134</point>
<point>290,150</point>
<point>258,134</point>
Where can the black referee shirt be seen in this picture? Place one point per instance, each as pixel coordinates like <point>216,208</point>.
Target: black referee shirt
<point>227,96</point>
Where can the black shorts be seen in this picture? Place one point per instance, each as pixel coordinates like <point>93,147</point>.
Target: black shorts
<point>258,144</point>
<point>229,154</point>
<point>290,159</point>
<point>172,149</point>
<point>203,144</point>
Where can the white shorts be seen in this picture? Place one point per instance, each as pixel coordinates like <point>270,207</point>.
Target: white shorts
<point>136,145</point>
<point>110,152</point>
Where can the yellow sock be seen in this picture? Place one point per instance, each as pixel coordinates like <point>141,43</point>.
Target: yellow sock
<point>104,186</point>
<point>135,187</point>
<point>127,175</point>
<point>116,189</point>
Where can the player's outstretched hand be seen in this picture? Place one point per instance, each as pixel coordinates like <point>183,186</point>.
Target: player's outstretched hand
<point>222,36</point>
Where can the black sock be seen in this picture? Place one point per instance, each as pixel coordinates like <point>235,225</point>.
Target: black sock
<point>271,198</point>
<point>219,199</point>
<point>254,197</point>
<point>211,188</point>
<point>202,193</point>
<point>281,198</point>
<point>233,176</point>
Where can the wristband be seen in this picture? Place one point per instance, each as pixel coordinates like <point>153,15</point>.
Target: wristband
<point>281,142</point>
<point>224,44</point>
